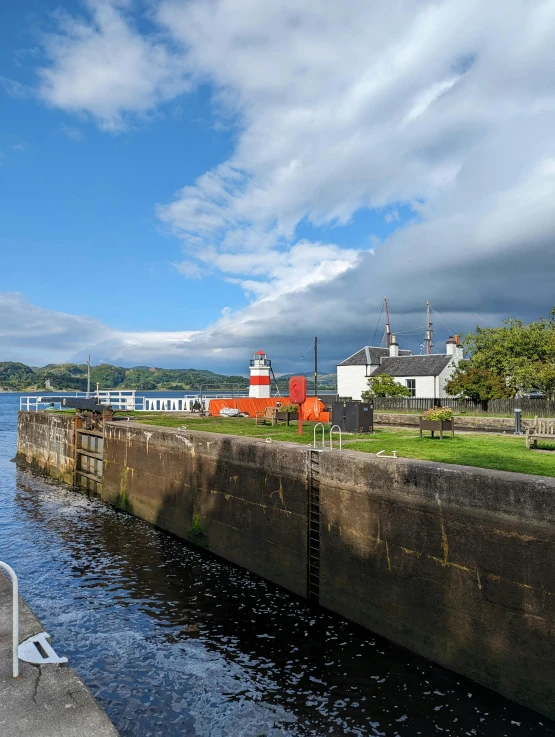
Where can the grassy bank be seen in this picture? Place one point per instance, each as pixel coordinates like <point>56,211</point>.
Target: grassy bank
<point>504,453</point>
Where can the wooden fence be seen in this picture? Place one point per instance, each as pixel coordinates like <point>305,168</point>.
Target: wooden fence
<point>495,407</point>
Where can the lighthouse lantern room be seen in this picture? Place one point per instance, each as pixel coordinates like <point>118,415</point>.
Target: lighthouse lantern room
<point>260,367</point>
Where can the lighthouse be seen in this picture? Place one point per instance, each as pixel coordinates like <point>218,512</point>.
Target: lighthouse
<point>260,375</point>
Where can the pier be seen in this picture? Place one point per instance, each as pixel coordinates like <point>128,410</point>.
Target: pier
<point>45,700</point>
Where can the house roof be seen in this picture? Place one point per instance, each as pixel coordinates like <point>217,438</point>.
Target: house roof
<point>413,365</point>
<point>368,356</point>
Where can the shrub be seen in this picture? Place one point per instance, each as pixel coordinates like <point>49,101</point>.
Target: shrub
<point>438,413</point>
<point>384,385</point>
<point>289,408</point>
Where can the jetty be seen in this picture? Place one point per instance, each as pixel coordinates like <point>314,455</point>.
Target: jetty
<point>46,700</point>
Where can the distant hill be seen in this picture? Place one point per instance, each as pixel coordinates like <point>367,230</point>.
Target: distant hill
<point>325,381</point>
<point>73,377</point>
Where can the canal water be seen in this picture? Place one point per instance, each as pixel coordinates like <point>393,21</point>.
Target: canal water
<point>175,642</point>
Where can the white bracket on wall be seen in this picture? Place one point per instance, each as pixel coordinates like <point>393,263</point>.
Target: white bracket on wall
<point>39,651</point>
<point>380,454</point>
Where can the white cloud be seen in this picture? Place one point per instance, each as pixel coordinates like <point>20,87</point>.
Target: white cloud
<point>442,106</point>
<point>73,133</point>
<point>355,105</point>
<point>13,88</point>
<point>106,68</point>
<point>38,336</point>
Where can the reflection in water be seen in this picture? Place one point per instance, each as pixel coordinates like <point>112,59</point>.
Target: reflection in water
<point>173,641</point>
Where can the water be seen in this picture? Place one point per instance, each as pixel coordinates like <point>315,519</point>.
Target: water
<point>174,642</point>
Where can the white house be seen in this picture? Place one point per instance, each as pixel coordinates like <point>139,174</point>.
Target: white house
<point>425,376</point>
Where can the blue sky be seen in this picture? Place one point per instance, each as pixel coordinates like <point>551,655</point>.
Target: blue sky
<point>74,199</point>
<point>183,180</point>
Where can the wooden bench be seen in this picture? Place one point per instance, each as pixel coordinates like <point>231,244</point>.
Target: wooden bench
<point>269,414</point>
<point>541,430</point>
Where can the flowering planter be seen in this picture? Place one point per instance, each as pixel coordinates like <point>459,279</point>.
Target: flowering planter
<point>439,425</point>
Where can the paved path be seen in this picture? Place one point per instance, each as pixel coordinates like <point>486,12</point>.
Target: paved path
<point>45,701</point>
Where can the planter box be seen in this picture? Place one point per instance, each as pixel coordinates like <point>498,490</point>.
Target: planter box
<point>439,425</point>
<point>287,416</point>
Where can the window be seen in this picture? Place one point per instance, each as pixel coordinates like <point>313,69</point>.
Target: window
<point>411,386</point>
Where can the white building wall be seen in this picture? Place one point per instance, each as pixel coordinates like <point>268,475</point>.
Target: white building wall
<point>445,376</point>
<point>353,380</point>
<point>426,386</point>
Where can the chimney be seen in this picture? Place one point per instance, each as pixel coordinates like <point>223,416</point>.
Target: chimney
<point>454,348</point>
<point>393,346</point>
<point>459,355</point>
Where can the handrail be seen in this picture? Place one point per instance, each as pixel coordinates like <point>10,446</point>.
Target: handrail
<point>15,617</point>
<point>331,437</point>
<point>320,424</point>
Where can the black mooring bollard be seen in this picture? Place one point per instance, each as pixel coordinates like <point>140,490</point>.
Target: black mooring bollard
<point>518,422</point>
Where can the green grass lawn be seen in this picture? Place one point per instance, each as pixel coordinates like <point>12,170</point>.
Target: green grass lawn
<point>505,453</point>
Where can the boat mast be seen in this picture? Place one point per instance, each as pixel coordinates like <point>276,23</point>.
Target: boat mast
<point>387,323</point>
<point>429,330</point>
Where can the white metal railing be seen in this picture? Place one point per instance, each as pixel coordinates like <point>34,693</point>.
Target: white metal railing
<point>117,398</point>
<point>332,428</point>
<point>15,617</point>
<point>127,400</point>
<point>331,436</point>
<point>316,426</point>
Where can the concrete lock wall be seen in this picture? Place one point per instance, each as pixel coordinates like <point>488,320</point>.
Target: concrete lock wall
<point>46,442</point>
<point>455,563</point>
<point>244,499</point>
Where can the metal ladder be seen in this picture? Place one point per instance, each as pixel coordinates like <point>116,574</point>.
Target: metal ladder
<point>314,524</point>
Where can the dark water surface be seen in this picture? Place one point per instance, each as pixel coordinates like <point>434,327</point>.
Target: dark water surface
<point>173,641</point>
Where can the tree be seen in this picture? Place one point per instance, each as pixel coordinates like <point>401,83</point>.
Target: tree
<point>523,354</point>
<point>108,376</point>
<point>16,375</point>
<point>384,385</point>
<point>477,384</point>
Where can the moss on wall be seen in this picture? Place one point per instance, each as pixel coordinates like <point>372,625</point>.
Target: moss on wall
<point>196,534</point>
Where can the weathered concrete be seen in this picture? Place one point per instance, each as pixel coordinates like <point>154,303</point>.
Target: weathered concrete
<point>45,701</point>
<point>46,442</point>
<point>462,422</point>
<point>455,563</point>
<point>243,498</point>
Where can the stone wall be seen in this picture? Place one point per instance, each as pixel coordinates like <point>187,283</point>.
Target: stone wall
<point>45,442</point>
<point>243,498</point>
<point>462,422</point>
<point>455,563</point>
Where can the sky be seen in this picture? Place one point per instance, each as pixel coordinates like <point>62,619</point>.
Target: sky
<point>184,182</point>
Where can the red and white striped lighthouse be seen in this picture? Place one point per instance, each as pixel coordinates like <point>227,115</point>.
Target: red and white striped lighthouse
<point>260,375</point>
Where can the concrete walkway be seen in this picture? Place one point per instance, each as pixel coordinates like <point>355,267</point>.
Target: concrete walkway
<point>45,701</point>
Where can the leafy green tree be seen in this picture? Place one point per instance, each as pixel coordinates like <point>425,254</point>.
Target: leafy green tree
<point>477,384</point>
<point>384,385</point>
<point>17,375</point>
<point>523,354</point>
<point>107,376</point>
